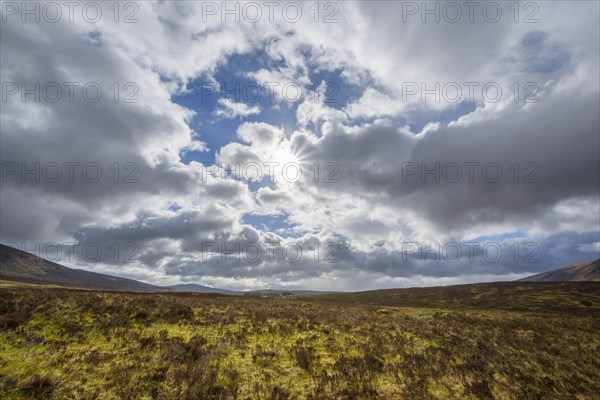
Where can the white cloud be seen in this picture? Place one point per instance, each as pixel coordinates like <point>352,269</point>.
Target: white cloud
<point>359,143</point>
<point>230,109</point>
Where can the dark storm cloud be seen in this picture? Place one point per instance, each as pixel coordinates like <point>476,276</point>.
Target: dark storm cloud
<point>391,168</point>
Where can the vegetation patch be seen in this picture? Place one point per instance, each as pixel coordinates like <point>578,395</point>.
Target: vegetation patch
<point>65,344</point>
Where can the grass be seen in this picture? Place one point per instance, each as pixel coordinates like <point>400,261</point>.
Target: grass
<point>508,341</point>
<point>12,284</point>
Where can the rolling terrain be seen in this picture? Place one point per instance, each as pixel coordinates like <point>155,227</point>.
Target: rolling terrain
<point>20,266</point>
<point>509,296</point>
<point>503,340</point>
<point>27,268</point>
<point>589,271</point>
<point>512,340</point>
<point>192,287</point>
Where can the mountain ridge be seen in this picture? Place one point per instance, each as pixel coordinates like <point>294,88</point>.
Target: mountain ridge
<point>194,287</point>
<point>588,272</point>
<point>20,266</point>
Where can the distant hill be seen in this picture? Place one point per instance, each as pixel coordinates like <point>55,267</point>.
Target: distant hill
<point>285,293</point>
<point>516,296</point>
<point>20,266</point>
<point>192,287</point>
<point>589,271</point>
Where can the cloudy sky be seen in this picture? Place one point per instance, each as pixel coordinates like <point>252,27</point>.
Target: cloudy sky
<point>332,145</point>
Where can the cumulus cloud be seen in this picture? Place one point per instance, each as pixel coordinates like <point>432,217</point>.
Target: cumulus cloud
<point>230,109</point>
<point>353,180</point>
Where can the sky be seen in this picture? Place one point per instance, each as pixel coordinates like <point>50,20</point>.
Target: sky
<point>302,145</point>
